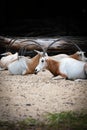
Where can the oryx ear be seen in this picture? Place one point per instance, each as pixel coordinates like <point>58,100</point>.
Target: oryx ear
<point>6,54</point>
<point>46,54</point>
<point>16,54</point>
<point>47,57</point>
<point>84,52</point>
<point>41,53</point>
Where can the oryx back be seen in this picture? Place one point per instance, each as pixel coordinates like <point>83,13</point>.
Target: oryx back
<point>74,69</point>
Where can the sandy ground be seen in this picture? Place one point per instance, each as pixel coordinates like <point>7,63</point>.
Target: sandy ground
<point>36,95</point>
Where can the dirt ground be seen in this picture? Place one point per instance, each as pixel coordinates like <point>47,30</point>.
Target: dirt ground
<point>35,95</point>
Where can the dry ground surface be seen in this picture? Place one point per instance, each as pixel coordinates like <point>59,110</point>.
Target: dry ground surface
<point>35,95</point>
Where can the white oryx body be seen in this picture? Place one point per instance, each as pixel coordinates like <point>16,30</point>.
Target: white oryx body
<point>19,66</point>
<point>73,69</point>
<point>68,68</point>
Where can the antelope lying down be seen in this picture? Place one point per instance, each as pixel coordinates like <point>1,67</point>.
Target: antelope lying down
<point>24,65</point>
<point>68,68</point>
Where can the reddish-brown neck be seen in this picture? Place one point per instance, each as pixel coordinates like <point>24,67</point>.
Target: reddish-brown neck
<point>53,66</point>
<point>75,56</point>
<point>33,63</point>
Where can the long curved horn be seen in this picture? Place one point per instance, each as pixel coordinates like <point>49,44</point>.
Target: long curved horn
<point>77,47</point>
<point>31,44</point>
<point>59,39</point>
<point>73,43</point>
<point>53,43</point>
<point>6,53</point>
<point>11,42</point>
<point>66,40</point>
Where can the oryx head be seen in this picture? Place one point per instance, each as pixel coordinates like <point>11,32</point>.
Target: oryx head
<point>42,64</point>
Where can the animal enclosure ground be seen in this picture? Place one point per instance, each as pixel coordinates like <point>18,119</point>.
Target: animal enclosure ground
<point>35,95</point>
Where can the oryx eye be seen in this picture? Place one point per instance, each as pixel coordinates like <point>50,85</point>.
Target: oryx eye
<point>80,54</point>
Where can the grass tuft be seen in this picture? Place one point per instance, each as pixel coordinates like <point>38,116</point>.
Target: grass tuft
<point>53,121</point>
<point>67,120</point>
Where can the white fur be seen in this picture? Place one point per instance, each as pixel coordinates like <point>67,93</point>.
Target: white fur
<point>7,60</point>
<point>59,56</point>
<point>19,66</point>
<point>74,69</point>
<point>23,65</point>
<point>79,55</point>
